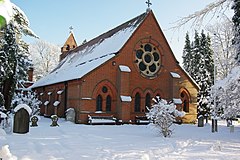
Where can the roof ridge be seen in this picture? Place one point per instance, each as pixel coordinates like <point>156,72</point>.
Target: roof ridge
<point>109,33</point>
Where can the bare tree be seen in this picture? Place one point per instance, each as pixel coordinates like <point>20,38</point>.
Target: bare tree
<point>45,57</point>
<point>214,9</point>
<point>222,35</point>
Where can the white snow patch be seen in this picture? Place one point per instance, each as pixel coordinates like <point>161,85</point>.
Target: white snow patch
<point>49,93</point>
<point>46,103</point>
<point>86,98</point>
<point>175,75</point>
<point>126,98</point>
<point>24,106</point>
<point>3,115</point>
<point>56,103</point>
<point>177,101</point>
<point>5,153</point>
<point>60,91</point>
<point>6,10</point>
<point>124,68</point>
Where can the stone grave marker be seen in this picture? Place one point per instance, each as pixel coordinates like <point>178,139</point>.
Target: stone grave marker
<point>34,120</point>
<point>21,119</point>
<point>70,115</point>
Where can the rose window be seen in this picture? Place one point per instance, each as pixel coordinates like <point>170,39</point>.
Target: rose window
<point>148,59</point>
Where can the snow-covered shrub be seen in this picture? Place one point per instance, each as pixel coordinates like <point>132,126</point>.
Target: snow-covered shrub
<point>163,114</point>
<point>29,98</point>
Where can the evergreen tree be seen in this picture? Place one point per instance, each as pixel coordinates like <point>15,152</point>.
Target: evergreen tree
<point>198,62</point>
<point>14,60</point>
<point>236,21</point>
<point>205,74</point>
<point>196,58</point>
<point>187,54</point>
<point>8,52</point>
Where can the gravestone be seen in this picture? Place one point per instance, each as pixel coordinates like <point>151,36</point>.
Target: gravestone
<point>200,121</point>
<point>21,121</point>
<point>54,119</point>
<point>70,115</point>
<point>34,121</point>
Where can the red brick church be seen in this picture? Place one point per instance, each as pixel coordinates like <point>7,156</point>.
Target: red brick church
<point>117,74</point>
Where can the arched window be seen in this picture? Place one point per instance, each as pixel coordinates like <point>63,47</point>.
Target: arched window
<point>99,103</point>
<point>108,103</point>
<point>137,103</point>
<point>185,100</point>
<point>147,102</point>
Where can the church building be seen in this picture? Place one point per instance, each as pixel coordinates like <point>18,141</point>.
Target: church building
<point>117,74</point>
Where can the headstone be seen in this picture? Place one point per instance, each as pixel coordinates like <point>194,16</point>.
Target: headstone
<point>34,121</point>
<point>214,125</point>
<point>21,121</point>
<point>231,128</point>
<point>54,119</point>
<point>70,115</point>
<point>200,121</point>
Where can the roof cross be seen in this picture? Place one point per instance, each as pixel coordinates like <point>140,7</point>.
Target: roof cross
<point>71,29</point>
<point>148,3</point>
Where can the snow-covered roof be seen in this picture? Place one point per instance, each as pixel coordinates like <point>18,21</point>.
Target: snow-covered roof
<point>24,106</point>
<point>126,98</point>
<point>92,54</point>
<point>124,68</point>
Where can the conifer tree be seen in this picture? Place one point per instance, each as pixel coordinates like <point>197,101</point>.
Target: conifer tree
<point>9,49</point>
<point>196,58</point>
<point>187,54</point>
<point>205,74</point>
<point>198,62</point>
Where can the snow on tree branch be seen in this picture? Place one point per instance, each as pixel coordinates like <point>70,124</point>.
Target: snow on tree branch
<point>197,18</point>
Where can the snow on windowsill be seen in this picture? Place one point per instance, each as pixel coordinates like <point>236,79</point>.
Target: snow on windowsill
<point>49,93</point>
<point>86,98</point>
<point>124,68</point>
<point>126,98</point>
<point>175,75</point>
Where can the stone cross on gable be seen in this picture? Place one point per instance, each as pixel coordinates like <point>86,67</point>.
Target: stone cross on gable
<point>70,28</point>
<point>148,3</point>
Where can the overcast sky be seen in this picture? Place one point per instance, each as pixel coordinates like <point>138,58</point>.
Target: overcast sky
<point>51,19</point>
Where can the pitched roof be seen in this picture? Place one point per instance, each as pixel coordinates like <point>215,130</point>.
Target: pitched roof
<point>92,54</point>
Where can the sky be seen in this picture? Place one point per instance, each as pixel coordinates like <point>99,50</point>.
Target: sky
<point>51,19</point>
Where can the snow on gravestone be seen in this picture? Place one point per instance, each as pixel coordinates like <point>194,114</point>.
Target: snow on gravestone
<point>21,118</point>
<point>70,115</point>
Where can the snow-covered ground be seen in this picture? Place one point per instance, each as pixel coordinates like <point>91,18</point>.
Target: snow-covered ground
<point>128,142</point>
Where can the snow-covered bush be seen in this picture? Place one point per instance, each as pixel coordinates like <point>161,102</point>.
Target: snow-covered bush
<point>163,114</point>
<point>29,98</point>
